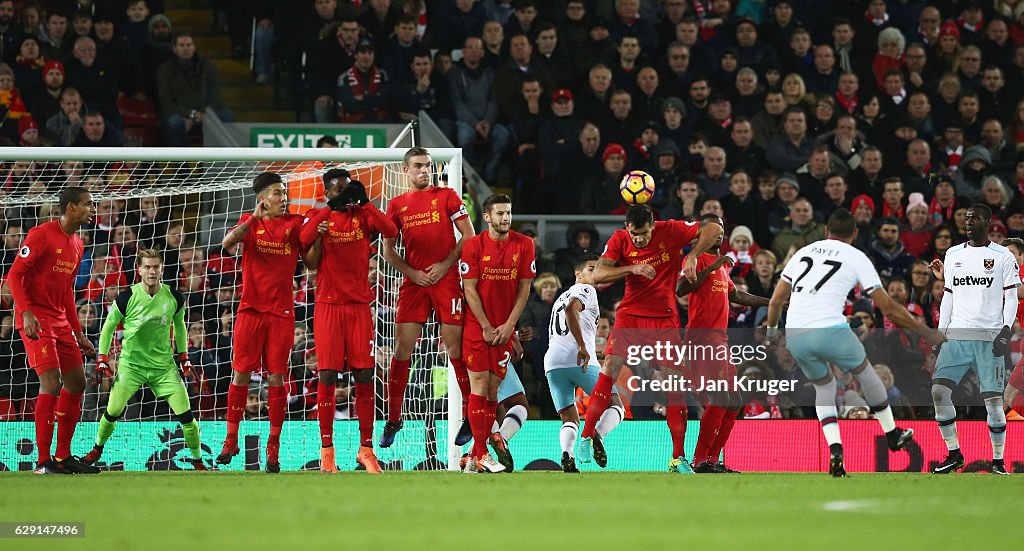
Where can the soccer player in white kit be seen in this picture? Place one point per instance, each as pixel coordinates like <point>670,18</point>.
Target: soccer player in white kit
<point>571,360</point>
<point>817,281</point>
<point>978,308</point>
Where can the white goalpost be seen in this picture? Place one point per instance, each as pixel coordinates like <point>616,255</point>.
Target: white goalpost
<point>181,201</point>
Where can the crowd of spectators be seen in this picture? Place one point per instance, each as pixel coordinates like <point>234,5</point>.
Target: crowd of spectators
<point>69,69</point>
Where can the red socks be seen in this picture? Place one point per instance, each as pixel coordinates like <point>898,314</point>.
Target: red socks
<point>44,425</point>
<point>69,411</point>
<point>462,377</point>
<point>599,400</point>
<point>325,405</point>
<point>364,410</point>
<point>675,416</point>
<point>398,379</point>
<point>479,422</point>
<point>236,408</point>
<point>710,426</point>
<point>276,400</point>
<point>728,422</point>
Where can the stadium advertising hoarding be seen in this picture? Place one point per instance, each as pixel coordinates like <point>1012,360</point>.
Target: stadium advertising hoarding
<point>307,136</point>
<point>756,445</point>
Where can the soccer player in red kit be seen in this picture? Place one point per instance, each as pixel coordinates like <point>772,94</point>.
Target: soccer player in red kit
<point>1013,395</point>
<point>649,255</point>
<point>42,283</point>
<point>265,322</point>
<point>424,216</point>
<point>497,269</point>
<point>708,322</point>
<point>339,239</point>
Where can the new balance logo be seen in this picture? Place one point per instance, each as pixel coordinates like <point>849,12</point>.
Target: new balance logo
<point>973,281</point>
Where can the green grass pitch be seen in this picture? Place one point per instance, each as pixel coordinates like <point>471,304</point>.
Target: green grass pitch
<point>524,510</point>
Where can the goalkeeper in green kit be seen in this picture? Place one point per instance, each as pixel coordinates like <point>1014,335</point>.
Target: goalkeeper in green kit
<point>149,310</point>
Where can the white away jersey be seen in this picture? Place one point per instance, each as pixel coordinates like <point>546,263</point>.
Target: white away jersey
<point>822,275</point>
<point>975,280</point>
<point>561,344</point>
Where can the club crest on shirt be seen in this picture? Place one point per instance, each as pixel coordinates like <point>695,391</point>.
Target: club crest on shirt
<point>990,263</point>
<point>433,203</point>
<point>403,209</point>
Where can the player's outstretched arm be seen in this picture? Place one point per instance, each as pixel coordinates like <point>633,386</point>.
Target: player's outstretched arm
<point>899,315</point>
<point>607,272</point>
<point>114,318</point>
<point>746,299</point>
<point>707,237</point>
<point>379,221</point>
<point>237,234</point>
<point>685,286</point>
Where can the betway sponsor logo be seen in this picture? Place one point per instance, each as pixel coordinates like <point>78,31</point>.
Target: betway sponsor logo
<point>972,280</point>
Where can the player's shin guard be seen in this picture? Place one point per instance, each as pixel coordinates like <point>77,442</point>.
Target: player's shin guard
<point>236,408</point>
<point>709,427</point>
<point>462,378</point>
<point>44,417</point>
<point>828,415</point>
<point>567,437</point>
<point>513,421</point>
<point>276,400</point>
<point>325,405</point>
<point>599,400</point>
<point>874,393</point>
<point>945,415</point>
<point>676,413</point>
<point>609,420</point>
<point>69,410</point>
<point>728,422</point>
<point>398,379</point>
<point>480,423</point>
<point>365,411</point>
<point>996,425</point>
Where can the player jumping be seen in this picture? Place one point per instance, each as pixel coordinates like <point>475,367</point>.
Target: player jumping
<point>146,354</point>
<point>817,281</point>
<point>571,337</point>
<point>42,282</point>
<point>265,321</point>
<point>497,268</point>
<point>710,296</point>
<point>340,238</point>
<point>977,310</point>
<point>424,217</point>
<point>650,254</point>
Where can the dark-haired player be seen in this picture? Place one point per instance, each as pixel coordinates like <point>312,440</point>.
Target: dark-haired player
<point>42,285</point>
<point>497,268</point>
<point>817,281</point>
<point>977,311</point>
<point>424,216</point>
<point>339,238</point>
<point>266,317</point>
<point>708,321</point>
<point>648,255</point>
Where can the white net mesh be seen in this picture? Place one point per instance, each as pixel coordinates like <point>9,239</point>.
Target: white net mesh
<point>183,209</point>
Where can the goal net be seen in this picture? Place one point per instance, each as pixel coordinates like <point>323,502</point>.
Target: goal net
<point>181,202</point>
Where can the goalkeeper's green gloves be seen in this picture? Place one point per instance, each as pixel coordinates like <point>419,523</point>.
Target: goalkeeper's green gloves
<point>1001,346</point>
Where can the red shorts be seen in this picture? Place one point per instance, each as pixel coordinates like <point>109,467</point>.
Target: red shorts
<point>262,340</point>
<point>54,349</point>
<point>708,356</point>
<point>443,297</point>
<point>343,334</point>
<point>1017,377</point>
<point>631,332</point>
<point>480,356</point>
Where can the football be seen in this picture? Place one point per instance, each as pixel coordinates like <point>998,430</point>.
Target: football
<point>636,187</point>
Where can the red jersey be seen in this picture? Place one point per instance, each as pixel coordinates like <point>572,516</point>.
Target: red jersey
<point>344,271</point>
<point>653,298</point>
<point>42,278</point>
<point>709,304</point>
<point>498,266</point>
<point>1020,303</point>
<point>270,251</point>
<point>425,220</point>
